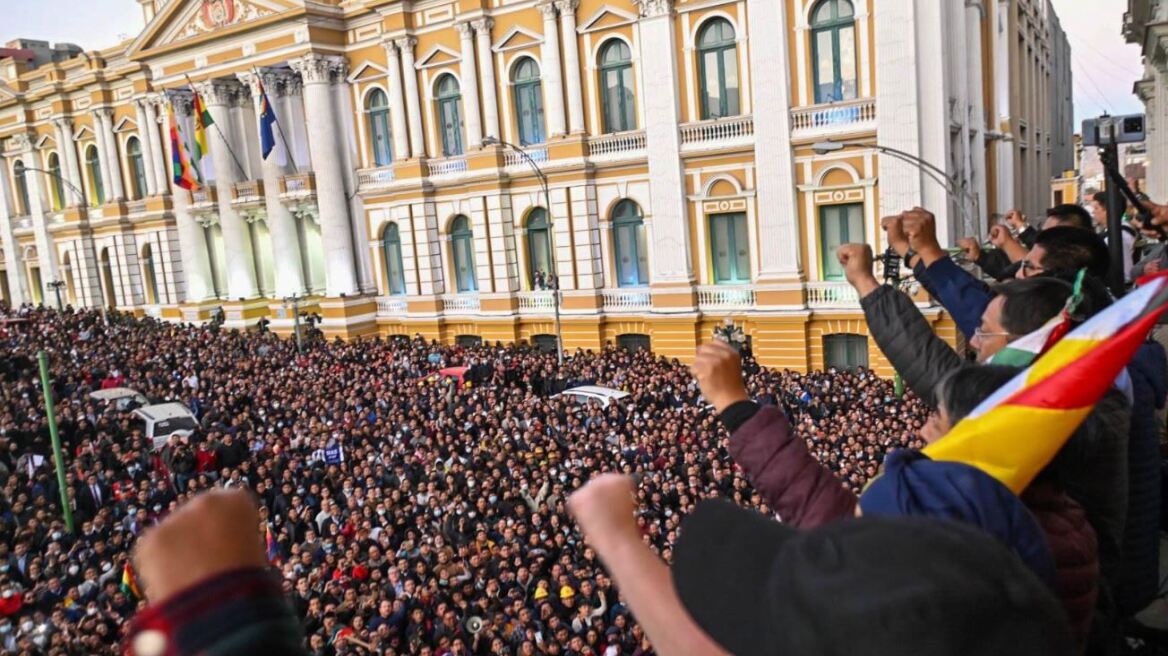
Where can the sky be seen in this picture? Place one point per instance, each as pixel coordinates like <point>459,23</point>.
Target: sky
<point>1104,66</point>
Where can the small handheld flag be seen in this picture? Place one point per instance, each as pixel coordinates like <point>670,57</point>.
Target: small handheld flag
<point>273,547</point>
<point>267,120</point>
<point>130,582</point>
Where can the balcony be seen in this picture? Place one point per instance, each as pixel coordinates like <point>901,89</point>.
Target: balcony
<point>513,159</point>
<point>22,222</point>
<point>537,302</point>
<point>725,297</point>
<point>247,193</point>
<point>627,300</point>
<point>374,179</point>
<point>391,306</point>
<point>718,134</point>
<point>832,296</point>
<point>448,166</point>
<point>204,199</point>
<point>460,303</point>
<point>297,186</point>
<point>834,118</point>
<point>621,145</point>
<point>133,207</point>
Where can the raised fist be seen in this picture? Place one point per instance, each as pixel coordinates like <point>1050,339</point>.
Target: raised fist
<point>970,247</point>
<point>1000,236</point>
<point>718,370</point>
<point>920,226</point>
<point>894,227</point>
<point>1016,220</point>
<point>856,260</point>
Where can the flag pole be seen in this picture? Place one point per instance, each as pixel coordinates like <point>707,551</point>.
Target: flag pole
<point>279,126</point>
<point>215,124</point>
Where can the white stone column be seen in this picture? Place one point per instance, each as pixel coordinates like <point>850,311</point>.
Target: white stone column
<point>553,86</point>
<point>17,278</point>
<point>106,117</point>
<point>778,218</point>
<point>46,251</point>
<point>103,158</point>
<point>413,100</point>
<point>220,96</point>
<point>148,161</point>
<point>572,64</point>
<point>397,103</point>
<point>324,141</point>
<point>470,86</point>
<point>162,167</point>
<point>670,220</point>
<point>195,269</point>
<point>897,110</point>
<point>486,59</point>
<point>289,273</point>
<point>70,170</point>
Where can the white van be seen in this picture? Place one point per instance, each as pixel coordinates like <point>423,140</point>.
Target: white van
<point>166,419</point>
<point>122,398</point>
<point>585,393</point>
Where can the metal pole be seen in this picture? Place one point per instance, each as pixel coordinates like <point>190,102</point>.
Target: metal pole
<point>1115,208</point>
<point>296,323</point>
<point>59,461</point>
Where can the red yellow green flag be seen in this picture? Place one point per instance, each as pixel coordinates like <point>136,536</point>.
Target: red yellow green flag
<point>130,582</point>
<point>203,121</point>
<point>1016,432</point>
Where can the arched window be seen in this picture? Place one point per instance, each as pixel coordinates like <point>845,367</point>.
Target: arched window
<point>149,280</point>
<point>528,101</point>
<point>833,50</point>
<point>449,116</point>
<point>58,185</point>
<point>394,271</point>
<point>18,175</point>
<point>462,246</point>
<point>377,107</point>
<point>718,63</point>
<point>730,248</point>
<point>616,87</point>
<point>137,170</point>
<point>93,172</point>
<point>629,245</point>
<point>539,249</point>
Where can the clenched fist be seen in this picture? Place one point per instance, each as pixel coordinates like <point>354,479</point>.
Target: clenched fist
<point>894,227</point>
<point>1000,236</point>
<point>718,370</point>
<point>856,259</point>
<point>920,226</point>
<point>1016,219</point>
<point>970,247</point>
<point>214,533</point>
<point>604,509</point>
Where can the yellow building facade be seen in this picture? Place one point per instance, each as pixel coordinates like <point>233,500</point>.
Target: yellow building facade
<point>438,163</point>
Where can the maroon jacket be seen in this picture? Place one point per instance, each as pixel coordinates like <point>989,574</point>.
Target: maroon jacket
<point>806,494</point>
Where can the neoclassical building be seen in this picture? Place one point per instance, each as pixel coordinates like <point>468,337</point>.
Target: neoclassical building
<point>681,141</point>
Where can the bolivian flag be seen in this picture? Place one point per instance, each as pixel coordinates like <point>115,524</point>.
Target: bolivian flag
<point>203,121</point>
<point>1018,430</point>
<point>130,582</point>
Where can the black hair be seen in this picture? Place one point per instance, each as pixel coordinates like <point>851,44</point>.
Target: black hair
<point>1100,197</point>
<point>960,392</point>
<point>1030,303</point>
<point>1070,249</point>
<point>1071,214</point>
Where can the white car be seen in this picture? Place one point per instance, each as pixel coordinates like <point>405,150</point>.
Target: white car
<point>586,393</point>
<point>165,420</point>
<point>122,398</point>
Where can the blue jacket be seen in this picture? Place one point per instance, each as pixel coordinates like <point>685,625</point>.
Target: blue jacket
<point>963,295</point>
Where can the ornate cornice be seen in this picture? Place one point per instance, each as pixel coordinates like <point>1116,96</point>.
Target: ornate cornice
<point>654,8</point>
<point>465,30</point>
<point>567,6</point>
<point>483,25</point>
<point>548,9</point>
<point>219,93</point>
<point>315,68</point>
<point>406,44</point>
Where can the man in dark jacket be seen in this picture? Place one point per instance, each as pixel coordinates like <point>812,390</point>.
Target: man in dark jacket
<point>999,263</point>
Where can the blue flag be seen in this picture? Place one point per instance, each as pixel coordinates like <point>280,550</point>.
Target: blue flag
<point>267,120</point>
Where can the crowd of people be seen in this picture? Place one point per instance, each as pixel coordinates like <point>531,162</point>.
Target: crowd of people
<point>400,504</point>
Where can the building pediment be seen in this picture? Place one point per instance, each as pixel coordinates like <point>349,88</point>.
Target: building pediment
<point>127,124</point>
<point>438,56</point>
<point>607,17</point>
<point>517,37</point>
<point>367,70</point>
<point>85,133</point>
<point>187,20</point>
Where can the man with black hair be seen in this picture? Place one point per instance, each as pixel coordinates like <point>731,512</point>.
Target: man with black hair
<point>1001,263</point>
<point>1065,249</point>
<point>1099,214</point>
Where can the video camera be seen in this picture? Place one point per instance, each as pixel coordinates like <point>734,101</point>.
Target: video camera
<point>1111,130</point>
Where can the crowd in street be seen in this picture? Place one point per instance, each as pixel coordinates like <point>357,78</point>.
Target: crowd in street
<point>407,512</point>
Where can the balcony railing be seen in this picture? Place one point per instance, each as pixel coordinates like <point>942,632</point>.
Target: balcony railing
<point>847,116</point>
<point>828,295</point>
<point>299,184</point>
<point>371,179</point>
<point>512,158</point>
<point>460,303</point>
<point>132,207</point>
<point>537,302</point>
<point>718,133</point>
<point>725,297</point>
<point>617,146</point>
<point>204,195</point>
<point>22,222</point>
<point>391,305</point>
<point>626,300</point>
<point>447,166</point>
<point>250,190</point>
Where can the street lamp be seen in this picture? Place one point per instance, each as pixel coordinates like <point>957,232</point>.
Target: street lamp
<point>72,187</point>
<point>495,141</point>
<point>56,286</point>
<point>954,187</point>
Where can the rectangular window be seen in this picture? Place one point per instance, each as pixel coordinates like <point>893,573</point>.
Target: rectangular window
<point>712,85</point>
<point>464,265</point>
<point>618,100</point>
<point>838,224</point>
<point>632,257</point>
<point>845,351</point>
<point>730,248</point>
<point>451,127</point>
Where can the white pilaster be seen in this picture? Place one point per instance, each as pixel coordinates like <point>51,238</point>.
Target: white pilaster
<point>46,254</point>
<point>162,173</point>
<point>572,64</point>
<point>198,283</point>
<point>397,103</point>
<point>17,278</point>
<point>241,274</point>
<point>324,141</point>
<point>670,235</point>
<point>118,191</point>
<point>71,166</point>
<point>778,218</point>
<point>413,100</point>
<point>897,107</point>
<point>104,164</point>
<point>148,160</point>
<point>470,86</point>
<point>553,86</point>
<point>482,29</point>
